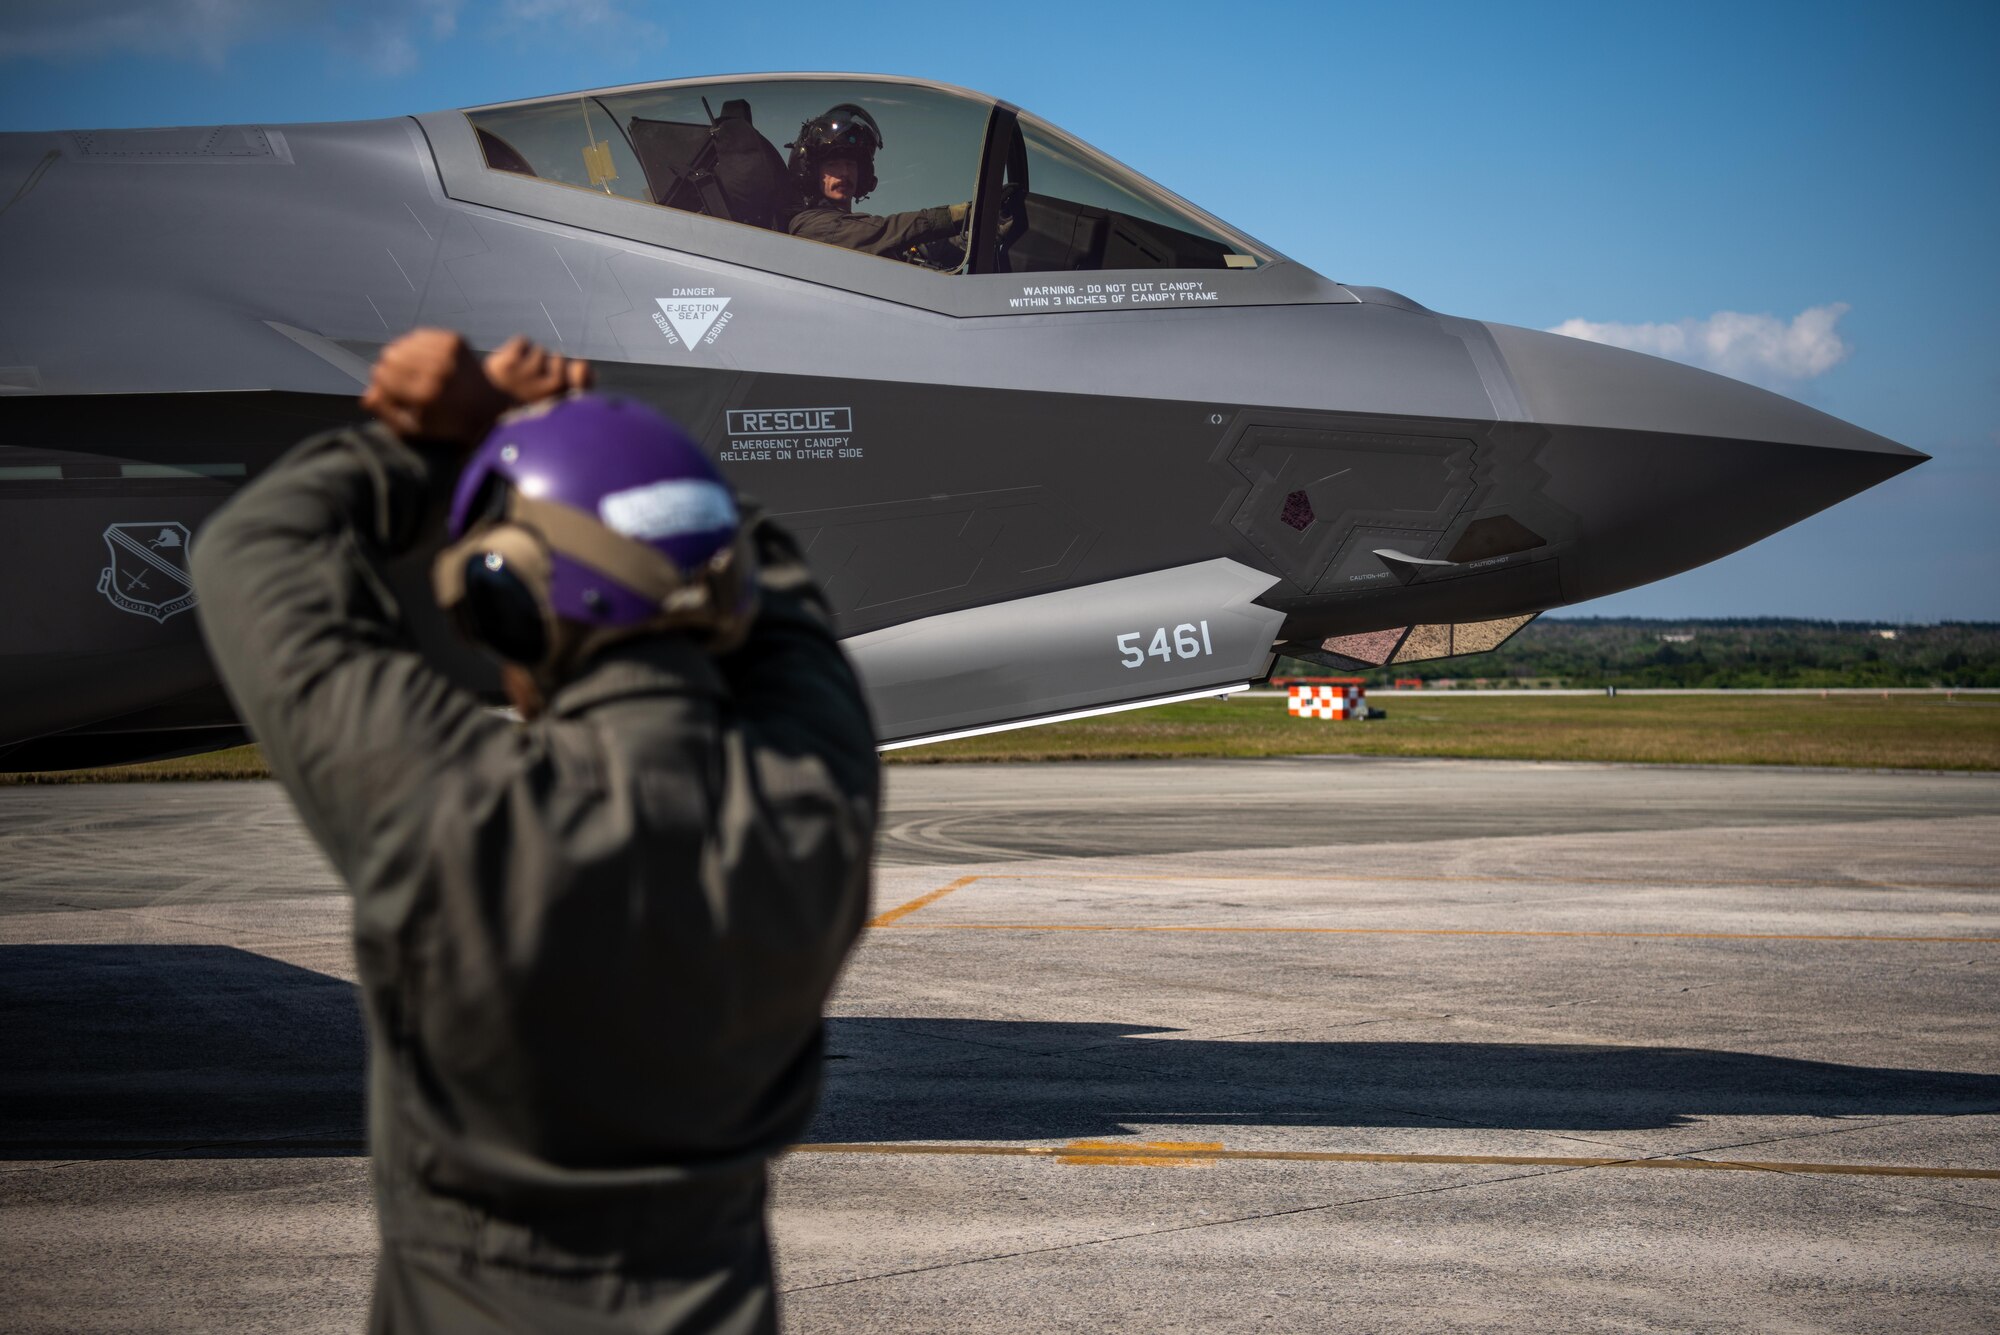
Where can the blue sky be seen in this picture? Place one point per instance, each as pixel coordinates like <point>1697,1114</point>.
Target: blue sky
<point>1806,195</point>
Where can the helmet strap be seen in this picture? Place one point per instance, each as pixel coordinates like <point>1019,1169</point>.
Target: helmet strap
<point>573,533</point>
<point>715,601</point>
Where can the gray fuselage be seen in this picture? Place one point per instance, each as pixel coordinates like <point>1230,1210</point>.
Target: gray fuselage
<point>1000,477</point>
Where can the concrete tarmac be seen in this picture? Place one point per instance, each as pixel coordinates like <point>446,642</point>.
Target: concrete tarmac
<point>1282,1045</point>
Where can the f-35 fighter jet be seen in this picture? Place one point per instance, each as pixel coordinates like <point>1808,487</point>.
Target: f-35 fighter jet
<point>1074,444</point>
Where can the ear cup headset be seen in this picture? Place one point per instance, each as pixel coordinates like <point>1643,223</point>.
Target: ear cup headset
<point>586,520</point>
<point>845,131</point>
<point>496,603</point>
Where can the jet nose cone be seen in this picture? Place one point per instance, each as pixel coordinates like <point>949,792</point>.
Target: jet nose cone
<point>1575,382</point>
<point>1667,467</point>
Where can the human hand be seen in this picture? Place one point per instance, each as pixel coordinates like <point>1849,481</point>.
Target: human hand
<point>1013,213</point>
<point>427,385</point>
<point>528,373</point>
<point>958,212</point>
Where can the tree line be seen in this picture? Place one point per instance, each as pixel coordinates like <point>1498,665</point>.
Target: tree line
<point>1749,653</point>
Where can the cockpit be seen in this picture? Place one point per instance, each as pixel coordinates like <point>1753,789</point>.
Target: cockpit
<point>1033,199</point>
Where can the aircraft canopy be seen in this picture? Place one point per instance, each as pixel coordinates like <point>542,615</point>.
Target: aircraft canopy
<point>1039,200</point>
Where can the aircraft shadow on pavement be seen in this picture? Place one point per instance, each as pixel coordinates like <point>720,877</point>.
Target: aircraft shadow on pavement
<point>987,1080</point>
<point>115,1051</point>
<point>119,1051</point>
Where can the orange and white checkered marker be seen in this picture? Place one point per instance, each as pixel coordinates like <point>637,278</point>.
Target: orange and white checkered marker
<point>1327,702</point>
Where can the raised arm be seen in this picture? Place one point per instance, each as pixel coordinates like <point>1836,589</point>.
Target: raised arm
<point>307,639</point>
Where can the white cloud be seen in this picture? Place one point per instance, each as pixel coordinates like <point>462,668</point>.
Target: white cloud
<point>56,29</point>
<point>1750,347</point>
<point>608,26</point>
<point>384,35</point>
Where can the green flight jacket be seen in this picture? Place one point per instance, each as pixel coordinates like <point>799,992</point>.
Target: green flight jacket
<point>593,948</point>
<point>876,234</point>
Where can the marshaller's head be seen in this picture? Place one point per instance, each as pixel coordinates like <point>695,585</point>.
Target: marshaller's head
<point>588,519</point>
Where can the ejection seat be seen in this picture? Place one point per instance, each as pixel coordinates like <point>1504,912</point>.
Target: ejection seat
<point>724,169</point>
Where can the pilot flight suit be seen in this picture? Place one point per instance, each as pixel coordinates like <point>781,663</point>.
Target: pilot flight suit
<point>593,948</point>
<point>886,234</point>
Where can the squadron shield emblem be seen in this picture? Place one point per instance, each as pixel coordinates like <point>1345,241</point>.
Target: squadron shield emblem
<point>148,575</point>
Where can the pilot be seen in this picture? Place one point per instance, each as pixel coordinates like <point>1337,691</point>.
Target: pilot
<point>834,161</point>
<point>594,945</point>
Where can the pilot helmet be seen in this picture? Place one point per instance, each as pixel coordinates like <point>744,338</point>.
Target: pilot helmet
<point>845,131</point>
<point>587,519</point>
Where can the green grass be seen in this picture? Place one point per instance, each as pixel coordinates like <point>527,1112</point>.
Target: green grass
<point>239,762</point>
<point>1899,732</point>
<point>1896,732</point>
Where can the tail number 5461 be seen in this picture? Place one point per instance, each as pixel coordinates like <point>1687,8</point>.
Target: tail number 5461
<point>1188,640</point>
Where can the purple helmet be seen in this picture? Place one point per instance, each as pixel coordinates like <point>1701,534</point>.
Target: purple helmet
<point>597,483</point>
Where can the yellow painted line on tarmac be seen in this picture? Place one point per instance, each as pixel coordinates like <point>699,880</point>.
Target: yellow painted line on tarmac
<point>894,917</point>
<point>905,910</point>
<point>1436,931</point>
<point>1496,878</point>
<point>1145,1153</point>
